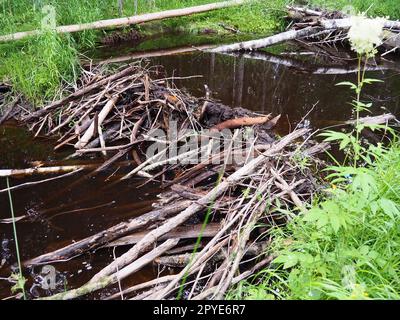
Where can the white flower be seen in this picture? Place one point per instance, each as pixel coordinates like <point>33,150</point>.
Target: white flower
<point>366,34</point>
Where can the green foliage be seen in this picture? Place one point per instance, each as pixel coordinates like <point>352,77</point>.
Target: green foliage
<point>39,67</point>
<point>373,7</point>
<point>346,246</point>
<point>20,60</point>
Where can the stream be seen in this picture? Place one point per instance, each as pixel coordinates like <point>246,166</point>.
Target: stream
<point>66,210</point>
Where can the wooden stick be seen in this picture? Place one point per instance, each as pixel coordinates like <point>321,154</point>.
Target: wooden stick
<point>33,183</point>
<point>184,232</point>
<point>216,192</point>
<point>121,22</point>
<point>110,234</point>
<point>102,116</point>
<point>120,275</point>
<point>42,170</point>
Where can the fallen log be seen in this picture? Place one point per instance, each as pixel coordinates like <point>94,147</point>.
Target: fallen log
<point>121,22</point>
<point>118,276</point>
<point>43,170</point>
<point>381,119</point>
<point>269,41</point>
<point>110,234</point>
<point>151,54</point>
<point>346,23</point>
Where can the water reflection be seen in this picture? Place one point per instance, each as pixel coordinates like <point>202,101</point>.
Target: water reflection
<point>271,86</point>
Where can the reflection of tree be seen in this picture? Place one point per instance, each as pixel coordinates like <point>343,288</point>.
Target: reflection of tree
<point>238,82</point>
<point>279,88</point>
<point>211,77</point>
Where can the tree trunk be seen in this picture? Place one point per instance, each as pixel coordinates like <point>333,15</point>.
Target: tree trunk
<point>120,22</point>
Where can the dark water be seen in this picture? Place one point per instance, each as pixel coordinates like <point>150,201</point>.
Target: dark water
<point>268,87</point>
<point>292,87</point>
<point>53,220</point>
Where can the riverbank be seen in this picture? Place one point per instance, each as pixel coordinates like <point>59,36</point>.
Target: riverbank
<point>39,67</point>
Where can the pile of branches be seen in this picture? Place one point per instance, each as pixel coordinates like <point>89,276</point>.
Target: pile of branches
<point>212,222</point>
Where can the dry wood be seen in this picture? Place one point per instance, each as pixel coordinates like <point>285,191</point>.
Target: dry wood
<point>43,170</point>
<point>141,286</point>
<point>102,116</point>
<point>265,262</point>
<point>120,22</point>
<point>81,92</point>
<point>347,22</point>
<point>182,260</point>
<point>381,119</point>
<point>216,192</point>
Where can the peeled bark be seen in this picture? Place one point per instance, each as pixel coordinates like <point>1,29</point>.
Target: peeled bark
<point>269,41</point>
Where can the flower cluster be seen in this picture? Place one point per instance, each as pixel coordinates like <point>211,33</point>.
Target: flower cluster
<point>366,34</point>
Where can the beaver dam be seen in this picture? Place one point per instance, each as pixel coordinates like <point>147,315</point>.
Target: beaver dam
<point>151,182</point>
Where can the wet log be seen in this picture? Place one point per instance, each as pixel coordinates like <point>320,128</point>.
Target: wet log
<point>122,229</point>
<point>118,276</point>
<point>240,122</point>
<point>184,232</point>
<point>201,204</point>
<point>121,22</point>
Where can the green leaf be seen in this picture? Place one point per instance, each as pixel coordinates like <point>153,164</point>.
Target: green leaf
<point>389,207</point>
<point>370,80</point>
<point>289,260</point>
<point>347,83</point>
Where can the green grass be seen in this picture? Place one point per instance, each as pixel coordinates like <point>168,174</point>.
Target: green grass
<point>347,246</point>
<point>39,67</point>
<point>382,8</point>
